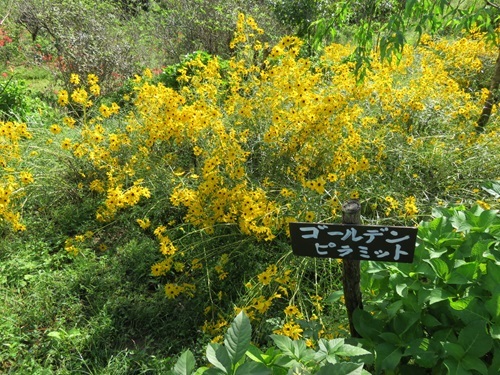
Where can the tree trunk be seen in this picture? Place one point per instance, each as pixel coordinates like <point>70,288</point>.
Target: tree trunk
<point>490,100</point>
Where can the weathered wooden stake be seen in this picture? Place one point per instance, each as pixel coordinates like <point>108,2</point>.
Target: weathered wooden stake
<point>351,270</point>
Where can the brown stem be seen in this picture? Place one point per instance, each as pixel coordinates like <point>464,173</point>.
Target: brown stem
<point>351,268</point>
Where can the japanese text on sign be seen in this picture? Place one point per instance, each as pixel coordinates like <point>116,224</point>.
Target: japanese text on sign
<point>383,243</point>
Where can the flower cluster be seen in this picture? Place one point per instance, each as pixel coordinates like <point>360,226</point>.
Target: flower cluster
<point>12,178</point>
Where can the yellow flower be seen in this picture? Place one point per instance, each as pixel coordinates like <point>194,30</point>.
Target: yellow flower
<point>62,98</point>
<point>310,216</point>
<point>144,223</point>
<point>292,310</point>
<point>74,79</point>
<point>69,121</point>
<point>26,178</point>
<point>92,79</point>
<point>66,144</point>
<point>55,129</point>
<point>80,96</point>
<point>95,90</point>
<point>292,330</point>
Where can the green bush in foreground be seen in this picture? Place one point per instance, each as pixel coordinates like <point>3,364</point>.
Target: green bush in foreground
<point>442,312</point>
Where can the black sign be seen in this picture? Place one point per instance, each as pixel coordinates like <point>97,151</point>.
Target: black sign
<point>354,242</point>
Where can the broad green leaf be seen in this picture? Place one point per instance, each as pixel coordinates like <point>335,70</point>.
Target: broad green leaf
<point>344,368</point>
<point>463,274</point>
<point>422,353</point>
<point>394,308</point>
<point>218,356</point>
<point>405,321</point>
<point>388,357</point>
<point>285,344</point>
<point>347,350</point>
<point>334,297</point>
<point>253,368</point>
<point>256,355</point>
<point>454,367</point>
<point>461,304</point>
<point>460,222</point>
<point>486,218</point>
<point>391,338</point>
<point>438,295</point>
<point>440,267</point>
<point>492,277</point>
<point>481,247</point>
<point>430,321</point>
<point>402,290</point>
<point>211,371</point>
<point>238,336</point>
<point>493,307</point>
<point>55,335</point>
<point>474,363</point>
<point>454,350</point>
<point>366,325</point>
<point>493,188</point>
<point>475,339</point>
<point>185,364</point>
<point>495,332</point>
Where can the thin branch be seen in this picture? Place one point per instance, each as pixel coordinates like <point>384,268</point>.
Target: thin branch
<point>492,4</point>
<point>3,19</point>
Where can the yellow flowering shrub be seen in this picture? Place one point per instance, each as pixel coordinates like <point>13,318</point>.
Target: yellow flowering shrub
<point>245,146</point>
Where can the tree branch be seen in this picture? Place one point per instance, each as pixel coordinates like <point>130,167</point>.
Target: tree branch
<point>492,4</point>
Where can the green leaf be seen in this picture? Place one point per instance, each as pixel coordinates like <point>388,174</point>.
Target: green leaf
<point>495,332</point>
<point>218,356</point>
<point>460,222</point>
<point>391,338</point>
<point>455,367</point>
<point>55,334</point>
<point>493,306</point>
<point>492,188</point>
<point>388,357</point>
<point>463,274</point>
<point>253,368</point>
<point>430,321</point>
<point>347,350</point>
<point>405,321</point>
<point>334,297</point>
<point>440,267</point>
<point>475,339</point>
<point>486,218</point>
<point>422,352</point>
<point>461,304</point>
<point>238,336</point>
<point>454,350</point>
<point>437,295</point>
<point>185,364</point>
<point>344,368</point>
<point>284,343</point>
<point>256,355</point>
<point>366,325</point>
<point>474,363</point>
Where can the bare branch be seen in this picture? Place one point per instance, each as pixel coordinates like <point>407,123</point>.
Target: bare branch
<point>492,4</point>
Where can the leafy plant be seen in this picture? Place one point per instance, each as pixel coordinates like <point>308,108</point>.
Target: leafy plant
<point>441,312</point>
<point>239,356</point>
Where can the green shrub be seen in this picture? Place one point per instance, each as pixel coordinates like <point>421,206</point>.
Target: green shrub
<point>442,312</point>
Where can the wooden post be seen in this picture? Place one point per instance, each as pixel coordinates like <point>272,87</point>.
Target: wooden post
<point>350,268</point>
